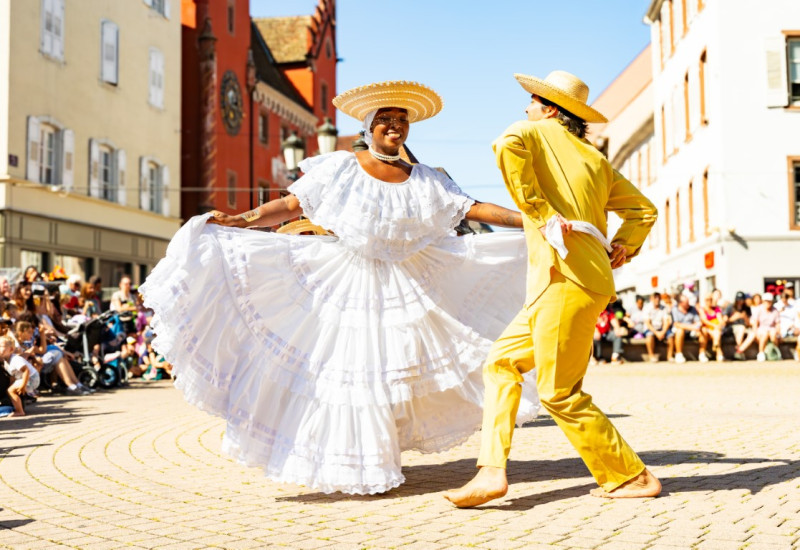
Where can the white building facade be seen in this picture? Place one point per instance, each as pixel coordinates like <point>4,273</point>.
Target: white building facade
<point>725,148</point>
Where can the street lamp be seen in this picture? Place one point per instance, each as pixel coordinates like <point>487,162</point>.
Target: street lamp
<point>326,136</point>
<point>359,144</point>
<point>292,148</point>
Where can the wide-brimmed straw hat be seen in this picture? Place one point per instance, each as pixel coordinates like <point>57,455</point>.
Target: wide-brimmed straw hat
<point>565,90</point>
<point>420,101</point>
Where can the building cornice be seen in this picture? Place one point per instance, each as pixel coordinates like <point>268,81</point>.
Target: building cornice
<point>285,108</point>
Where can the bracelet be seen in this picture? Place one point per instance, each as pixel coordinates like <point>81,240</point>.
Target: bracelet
<point>251,215</point>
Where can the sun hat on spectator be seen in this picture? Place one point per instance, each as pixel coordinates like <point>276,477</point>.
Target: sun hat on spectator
<point>768,297</point>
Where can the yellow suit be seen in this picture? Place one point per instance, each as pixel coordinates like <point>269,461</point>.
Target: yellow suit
<point>548,170</point>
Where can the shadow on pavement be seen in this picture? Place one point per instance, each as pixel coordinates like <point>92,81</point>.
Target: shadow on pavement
<point>546,420</point>
<point>433,478</point>
<point>14,523</point>
<point>48,411</point>
<point>6,450</point>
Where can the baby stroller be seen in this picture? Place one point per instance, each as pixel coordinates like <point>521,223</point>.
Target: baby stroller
<point>105,331</point>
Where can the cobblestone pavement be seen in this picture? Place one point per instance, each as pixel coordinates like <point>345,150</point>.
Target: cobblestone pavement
<point>140,468</point>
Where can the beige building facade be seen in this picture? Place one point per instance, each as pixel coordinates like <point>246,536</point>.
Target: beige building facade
<point>89,134</point>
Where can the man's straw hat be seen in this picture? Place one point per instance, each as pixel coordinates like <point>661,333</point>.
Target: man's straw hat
<point>420,101</point>
<point>565,90</point>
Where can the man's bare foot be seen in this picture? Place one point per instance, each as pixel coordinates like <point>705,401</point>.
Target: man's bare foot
<point>488,484</point>
<point>642,486</point>
<point>16,414</point>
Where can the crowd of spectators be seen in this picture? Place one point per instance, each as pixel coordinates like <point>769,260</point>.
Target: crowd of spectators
<point>761,320</point>
<point>41,313</point>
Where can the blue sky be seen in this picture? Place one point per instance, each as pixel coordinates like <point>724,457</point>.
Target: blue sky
<point>468,52</point>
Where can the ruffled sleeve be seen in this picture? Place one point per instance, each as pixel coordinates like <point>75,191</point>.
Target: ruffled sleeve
<point>319,173</point>
<point>454,203</point>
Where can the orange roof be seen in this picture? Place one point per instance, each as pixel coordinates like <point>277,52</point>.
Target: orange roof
<point>287,37</point>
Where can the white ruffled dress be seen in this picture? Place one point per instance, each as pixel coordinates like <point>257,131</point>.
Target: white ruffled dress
<point>328,356</point>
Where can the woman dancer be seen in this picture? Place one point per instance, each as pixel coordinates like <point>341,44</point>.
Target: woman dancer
<point>328,356</point>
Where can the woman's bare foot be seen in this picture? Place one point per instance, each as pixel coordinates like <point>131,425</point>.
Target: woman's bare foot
<point>488,484</point>
<point>642,486</point>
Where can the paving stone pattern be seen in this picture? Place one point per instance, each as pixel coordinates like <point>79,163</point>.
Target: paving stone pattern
<point>140,468</point>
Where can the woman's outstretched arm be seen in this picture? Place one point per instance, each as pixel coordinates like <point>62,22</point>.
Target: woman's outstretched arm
<point>493,214</point>
<point>271,213</point>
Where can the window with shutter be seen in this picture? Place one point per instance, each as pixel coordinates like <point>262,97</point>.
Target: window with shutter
<point>120,165</point>
<point>156,78</point>
<point>67,158</point>
<point>52,28</point>
<point>144,184</point>
<point>32,171</point>
<point>109,52</point>
<point>793,58</point>
<point>58,29</point>
<point>94,169</point>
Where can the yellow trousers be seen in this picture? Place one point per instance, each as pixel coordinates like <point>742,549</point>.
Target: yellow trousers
<point>554,334</point>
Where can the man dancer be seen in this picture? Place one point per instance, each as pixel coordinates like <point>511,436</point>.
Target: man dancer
<point>563,186</point>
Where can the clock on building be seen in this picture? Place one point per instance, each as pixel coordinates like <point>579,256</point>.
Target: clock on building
<point>231,103</point>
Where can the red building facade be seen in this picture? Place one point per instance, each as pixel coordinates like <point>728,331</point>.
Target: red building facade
<point>240,102</point>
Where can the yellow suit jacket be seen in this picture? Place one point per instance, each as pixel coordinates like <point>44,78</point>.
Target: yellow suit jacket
<point>548,170</point>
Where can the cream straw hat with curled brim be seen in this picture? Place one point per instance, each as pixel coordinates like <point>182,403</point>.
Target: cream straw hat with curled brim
<point>565,90</point>
<point>420,101</point>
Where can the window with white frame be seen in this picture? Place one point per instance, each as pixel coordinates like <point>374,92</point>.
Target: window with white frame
<point>48,145</point>
<point>156,93</point>
<point>156,187</point>
<point>109,52</point>
<point>52,28</point>
<point>159,6</point>
<point>50,152</point>
<point>793,58</point>
<point>153,186</point>
<point>106,176</point>
<point>107,171</point>
<point>783,70</point>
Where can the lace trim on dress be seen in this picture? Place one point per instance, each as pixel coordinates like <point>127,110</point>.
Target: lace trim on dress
<point>381,220</point>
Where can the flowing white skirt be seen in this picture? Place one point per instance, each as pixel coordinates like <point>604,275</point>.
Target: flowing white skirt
<point>326,364</point>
